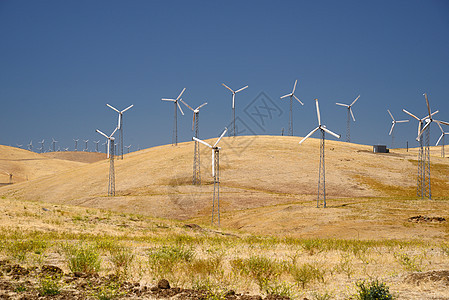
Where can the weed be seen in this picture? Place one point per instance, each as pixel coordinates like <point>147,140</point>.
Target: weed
<point>373,290</point>
<point>211,291</point>
<point>345,266</point>
<point>445,248</point>
<point>20,288</point>
<point>163,260</point>
<point>260,268</point>
<point>19,249</point>
<point>307,273</point>
<point>108,292</point>
<point>49,286</point>
<point>121,258</point>
<point>410,263</point>
<point>282,289</point>
<point>83,258</point>
<point>322,296</point>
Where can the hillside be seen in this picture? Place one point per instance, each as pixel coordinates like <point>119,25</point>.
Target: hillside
<point>26,165</point>
<point>79,156</point>
<point>267,182</point>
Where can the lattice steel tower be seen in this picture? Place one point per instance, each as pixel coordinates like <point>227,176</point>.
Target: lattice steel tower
<point>216,197</point>
<point>196,155</point>
<point>111,187</point>
<point>424,184</point>
<point>322,174</point>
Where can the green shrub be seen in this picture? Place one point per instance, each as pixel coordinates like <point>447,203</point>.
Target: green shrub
<point>83,258</point>
<point>307,273</point>
<point>49,286</point>
<point>373,290</point>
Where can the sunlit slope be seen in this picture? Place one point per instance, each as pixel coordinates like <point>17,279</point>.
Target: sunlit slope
<point>79,156</point>
<point>255,171</point>
<point>26,165</point>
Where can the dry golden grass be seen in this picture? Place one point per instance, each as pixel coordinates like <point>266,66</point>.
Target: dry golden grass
<point>268,186</point>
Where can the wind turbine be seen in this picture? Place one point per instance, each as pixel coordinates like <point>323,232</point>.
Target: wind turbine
<point>66,149</point>
<point>54,143</point>
<point>19,146</point>
<point>30,146</point>
<point>322,174</point>
<point>393,123</point>
<point>215,174</point>
<point>120,125</point>
<point>292,95</point>
<point>127,147</point>
<point>111,139</point>
<point>42,146</point>
<point>196,155</point>
<point>105,144</point>
<point>350,114</point>
<point>175,125</point>
<point>85,147</point>
<point>96,145</point>
<point>76,144</point>
<point>233,104</point>
<point>441,138</point>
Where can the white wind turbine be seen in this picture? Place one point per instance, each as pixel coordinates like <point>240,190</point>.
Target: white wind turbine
<point>443,134</point>
<point>196,155</point>
<point>393,123</point>
<point>53,141</point>
<point>109,138</point>
<point>215,173</point>
<point>128,147</point>
<point>42,146</point>
<point>233,104</point>
<point>429,120</point>
<point>76,144</point>
<point>30,146</point>
<point>322,174</point>
<point>292,95</point>
<point>85,147</point>
<point>350,114</point>
<point>120,125</point>
<point>96,145</point>
<point>175,125</point>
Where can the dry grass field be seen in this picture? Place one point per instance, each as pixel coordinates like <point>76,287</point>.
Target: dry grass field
<point>269,219</point>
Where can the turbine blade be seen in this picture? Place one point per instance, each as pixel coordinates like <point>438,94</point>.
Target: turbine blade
<point>438,123</point>
<point>165,99</point>
<point>428,106</point>
<point>355,100</point>
<point>435,112</point>
<point>422,131</point>
<point>298,100</point>
<point>330,132</point>
<point>392,126</point>
<point>411,115</point>
<point>127,108</point>
<point>288,95</point>
<point>233,100</point>
<point>341,104</point>
<point>294,87</point>
<point>113,108</point>
<point>390,114</point>
<point>228,88</point>
<point>241,89</point>
<point>109,146</point>
<point>100,132</point>
<point>442,122</point>
<point>221,136</point>
<point>193,122</point>
<point>179,106</point>
<point>441,136</point>
<point>180,94</point>
<point>205,103</point>
<point>119,120</point>
<point>307,136</point>
<point>402,121</point>
<point>213,163</point>
<point>419,127</point>
<point>202,142</point>
<point>318,112</point>
<point>112,134</point>
<point>350,110</point>
<point>186,105</point>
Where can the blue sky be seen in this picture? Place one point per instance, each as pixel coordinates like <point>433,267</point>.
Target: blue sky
<point>62,61</point>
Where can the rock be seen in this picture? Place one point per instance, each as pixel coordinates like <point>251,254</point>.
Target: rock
<point>45,209</point>
<point>163,284</point>
<point>193,226</point>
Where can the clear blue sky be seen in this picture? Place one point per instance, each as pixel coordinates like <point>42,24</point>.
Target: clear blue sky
<point>62,61</point>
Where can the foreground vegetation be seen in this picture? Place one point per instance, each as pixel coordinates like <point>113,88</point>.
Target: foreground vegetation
<point>133,248</point>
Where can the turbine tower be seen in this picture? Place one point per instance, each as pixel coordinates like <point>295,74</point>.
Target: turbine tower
<point>96,145</point>
<point>120,125</point>
<point>196,155</point>
<point>111,139</point>
<point>216,176</point>
<point>442,140</point>
<point>175,124</point>
<point>322,174</point>
<point>393,123</point>
<point>53,141</point>
<point>85,147</point>
<point>233,105</point>
<point>76,144</point>
<point>291,95</point>
<point>348,121</point>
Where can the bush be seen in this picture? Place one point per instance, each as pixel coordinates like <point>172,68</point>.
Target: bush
<point>83,258</point>
<point>373,290</point>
